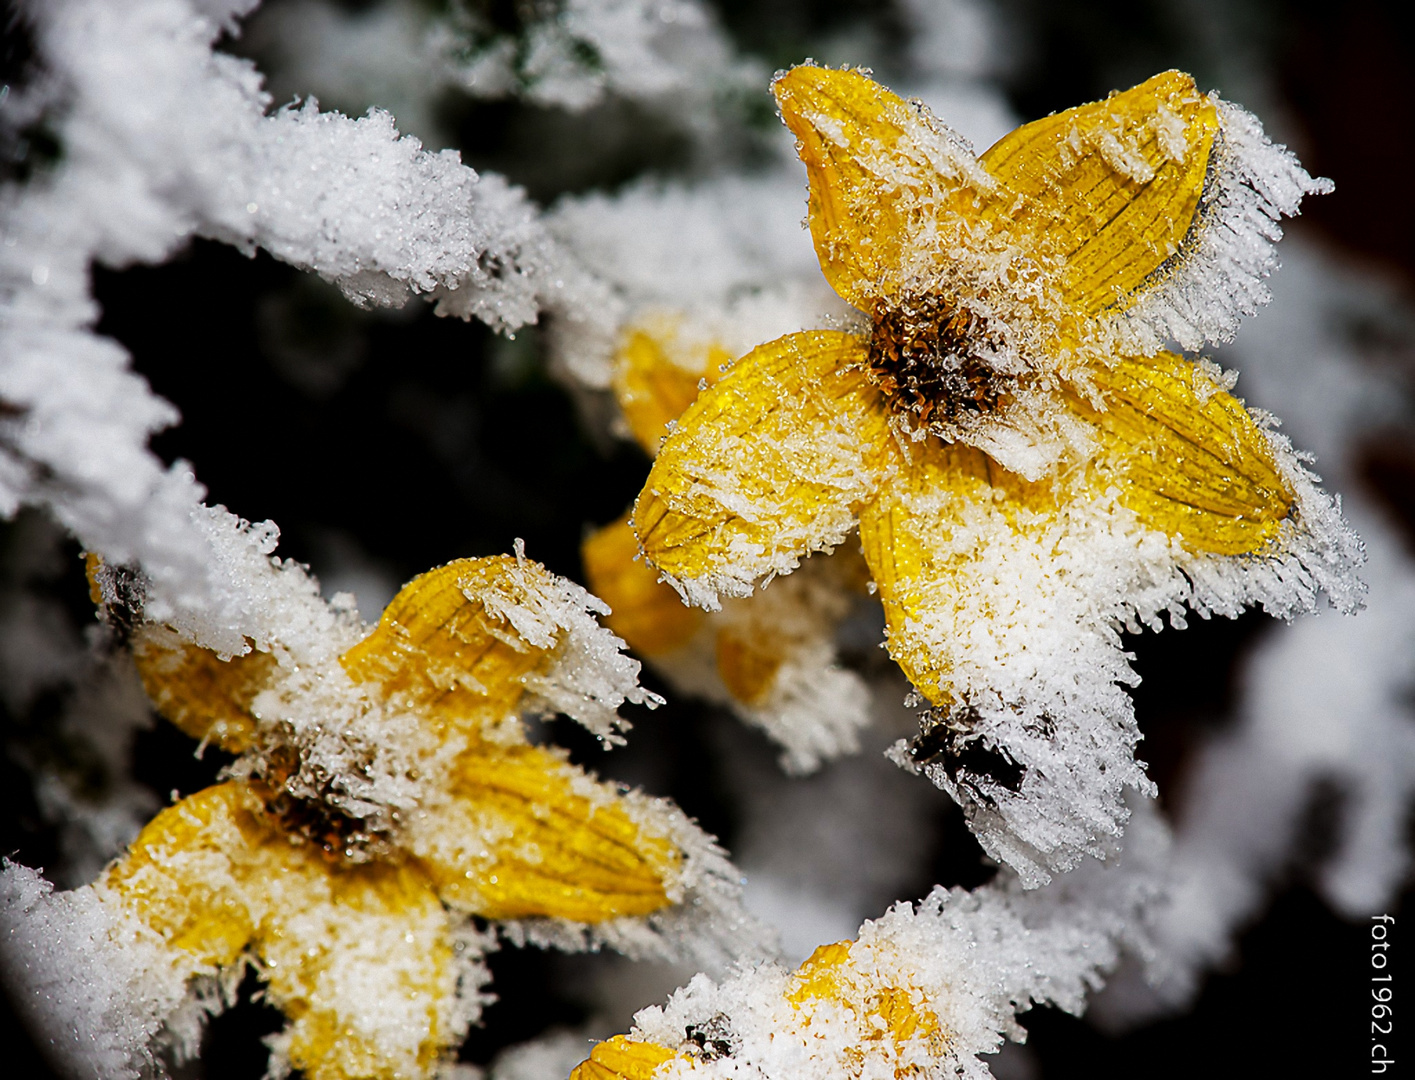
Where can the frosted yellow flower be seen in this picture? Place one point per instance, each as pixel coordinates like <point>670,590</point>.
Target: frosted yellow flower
<point>383,797</point>
<point>1028,469</point>
<point>879,1026</point>
<point>772,658</point>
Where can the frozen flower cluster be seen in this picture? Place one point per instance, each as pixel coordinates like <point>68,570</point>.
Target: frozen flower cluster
<point>907,480</point>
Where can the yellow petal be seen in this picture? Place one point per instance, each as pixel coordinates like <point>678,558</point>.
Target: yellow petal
<point>644,611</point>
<point>748,662</point>
<point>920,548</point>
<point>771,463</point>
<point>187,874</point>
<point>880,177</point>
<point>438,645</point>
<point>819,975</point>
<point>832,974</point>
<point>360,959</point>
<point>201,694</point>
<point>1189,459</point>
<point>653,387</point>
<point>622,1058</point>
<point>522,839</point>
<point>1110,190</point>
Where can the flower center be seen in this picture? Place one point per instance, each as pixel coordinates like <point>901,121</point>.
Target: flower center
<point>312,800</point>
<point>933,358</point>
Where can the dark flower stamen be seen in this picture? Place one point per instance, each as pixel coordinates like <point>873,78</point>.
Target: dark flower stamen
<point>928,355</point>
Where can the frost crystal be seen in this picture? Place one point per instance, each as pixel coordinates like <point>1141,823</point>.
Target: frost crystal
<point>164,140</point>
<point>964,964</point>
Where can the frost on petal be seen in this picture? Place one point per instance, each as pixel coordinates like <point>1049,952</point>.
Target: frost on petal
<point>523,834</point>
<point>926,990</point>
<point>769,465</point>
<point>886,180</point>
<point>1007,619</point>
<point>210,877</point>
<point>589,676</point>
<point>462,643</point>
<point>706,921</point>
<point>1107,191</point>
<point>1217,276</point>
<point>722,261</point>
<point>1004,603</point>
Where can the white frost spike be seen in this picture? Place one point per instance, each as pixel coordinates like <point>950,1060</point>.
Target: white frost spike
<point>1218,275</point>
<point>590,677</point>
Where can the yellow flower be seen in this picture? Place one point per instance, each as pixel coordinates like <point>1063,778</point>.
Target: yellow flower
<point>383,797</point>
<point>1029,471</point>
<point>888,1026</point>
<point>771,658</point>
